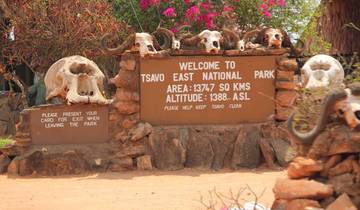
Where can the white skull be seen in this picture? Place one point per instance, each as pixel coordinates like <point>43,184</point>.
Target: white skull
<point>175,44</point>
<point>323,71</point>
<point>145,44</point>
<point>211,40</point>
<point>75,79</point>
<point>274,37</point>
<point>349,109</point>
<point>240,45</point>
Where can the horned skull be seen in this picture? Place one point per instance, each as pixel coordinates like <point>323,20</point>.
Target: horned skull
<point>210,40</point>
<point>232,40</point>
<point>346,103</point>
<point>349,108</point>
<point>76,79</point>
<point>322,71</point>
<point>142,42</point>
<point>170,40</point>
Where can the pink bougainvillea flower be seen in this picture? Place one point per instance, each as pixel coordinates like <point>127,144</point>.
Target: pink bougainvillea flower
<point>192,13</point>
<point>209,20</point>
<point>281,3</point>
<point>169,12</point>
<point>263,6</point>
<point>267,13</point>
<point>205,6</point>
<point>145,4</point>
<point>187,2</point>
<point>228,8</point>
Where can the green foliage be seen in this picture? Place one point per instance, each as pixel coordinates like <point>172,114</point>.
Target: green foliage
<point>314,42</point>
<point>246,14</point>
<point>4,142</point>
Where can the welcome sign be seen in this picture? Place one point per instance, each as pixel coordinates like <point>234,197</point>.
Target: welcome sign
<point>207,89</point>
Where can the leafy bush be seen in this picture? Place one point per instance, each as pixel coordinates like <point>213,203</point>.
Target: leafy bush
<point>46,31</point>
<point>4,142</point>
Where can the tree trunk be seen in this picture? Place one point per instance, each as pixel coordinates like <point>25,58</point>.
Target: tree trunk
<point>336,14</point>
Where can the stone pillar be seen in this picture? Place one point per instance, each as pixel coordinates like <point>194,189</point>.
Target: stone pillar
<point>285,88</point>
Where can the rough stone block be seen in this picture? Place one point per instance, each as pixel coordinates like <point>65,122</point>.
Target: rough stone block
<point>4,163</point>
<point>285,85</point>
<point>131,151</point>
<point>283,113</point>
<point>121,164</point>
<point>247,149</point>
<point>140,131</point>
<point>168,148</point>
<point>301,204</point>
<point>302,167</point>
<point>125,95</point>
<point>286,64</point>
<point>342,202</point>
<point>285,75</point>
<point>286,98</point>
<point>144,163</point>
<point>126,107</point>
<point>301,189</point>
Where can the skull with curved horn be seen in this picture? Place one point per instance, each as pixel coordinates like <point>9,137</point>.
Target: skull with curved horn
<point>142,42</point>
<point>210,40</point>
<point>346,103</point>
<point>233,41</point>
<point>76,79</point>
<point>170,40</point>
<point>322,71</point>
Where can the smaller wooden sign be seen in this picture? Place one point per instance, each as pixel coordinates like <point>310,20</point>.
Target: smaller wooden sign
<point>77,124</point>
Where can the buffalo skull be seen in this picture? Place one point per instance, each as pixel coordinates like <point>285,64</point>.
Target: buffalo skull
<point>142,42</point>
<point>75,79</point>
<point>232,40</point>
<point>210,40</point>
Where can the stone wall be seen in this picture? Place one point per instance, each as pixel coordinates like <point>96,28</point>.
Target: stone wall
<point>10,107</point>
<point>139,145</point>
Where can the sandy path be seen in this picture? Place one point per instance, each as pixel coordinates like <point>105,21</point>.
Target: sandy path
<point>131,190</point>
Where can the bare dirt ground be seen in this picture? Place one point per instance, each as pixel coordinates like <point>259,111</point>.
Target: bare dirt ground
<point>153,190</point>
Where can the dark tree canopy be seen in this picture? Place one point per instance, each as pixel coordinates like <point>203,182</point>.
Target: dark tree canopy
<point>336,15</point>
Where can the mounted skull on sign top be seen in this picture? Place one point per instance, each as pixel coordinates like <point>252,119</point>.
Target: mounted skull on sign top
<point>323,71</point>
<point>277,38</point>
<point>232,40</point>
<point>345,103</point>
<point>171,40</point>
<point>208,40</point>
<point>142,42</point>
<point>75,79</point>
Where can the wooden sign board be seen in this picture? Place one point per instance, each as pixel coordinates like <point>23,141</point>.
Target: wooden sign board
<point>207,89</point>
<point>77,124</point>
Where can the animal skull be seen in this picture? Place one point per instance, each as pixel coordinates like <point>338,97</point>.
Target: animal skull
<point>349,109</point>
<point>231,37</point>
<point>346,103</point>
<point>142,42</point>
<point>170,40</point>
<point>75,79</point>
<point>323,71</point>
<point>274,37</point>
<point>209,39</point>
<point>145,44</point>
